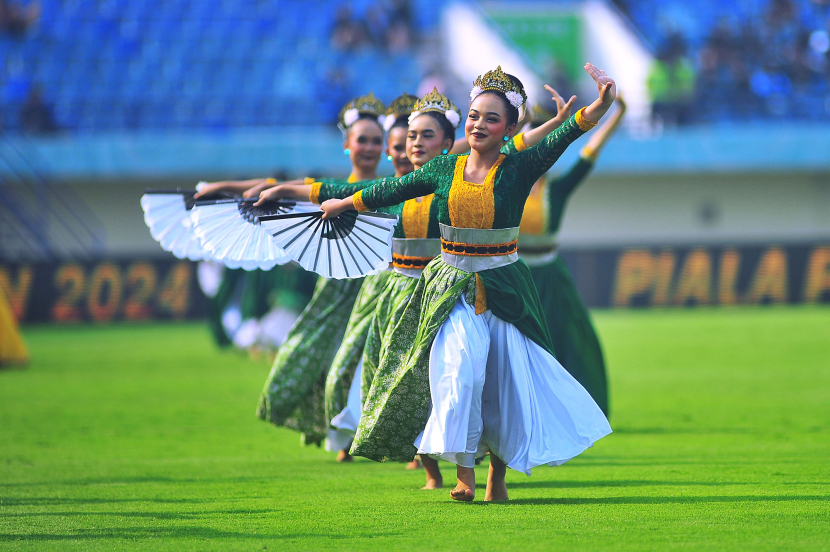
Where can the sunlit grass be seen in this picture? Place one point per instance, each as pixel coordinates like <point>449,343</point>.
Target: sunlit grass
<point>144,437</point>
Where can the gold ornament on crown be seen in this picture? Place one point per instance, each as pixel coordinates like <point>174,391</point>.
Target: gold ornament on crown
<point>363,105</point>
<point>439,103</point>
<point>498,80</point>
<point>401,106</point>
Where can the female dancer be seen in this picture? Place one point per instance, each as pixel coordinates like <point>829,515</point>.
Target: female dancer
<point>342,392</point>
<point>472,342</point>
<point>573,336</point>
<point>294,391</point>
<point>431,132</point>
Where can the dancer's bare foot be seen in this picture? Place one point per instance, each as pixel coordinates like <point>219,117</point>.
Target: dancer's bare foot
<point>465,490</point>
<point>496,486</point>
<point>414,465</point>
<point>344,456</point>
<point>434,478</point>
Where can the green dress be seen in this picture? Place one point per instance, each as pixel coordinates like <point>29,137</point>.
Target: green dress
<point>293,395</point>
<point>417,222</point>
<point>574,337</point>
<point>255,292</point>
<point>397,405</point>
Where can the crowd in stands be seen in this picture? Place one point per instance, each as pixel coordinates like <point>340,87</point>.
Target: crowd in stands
<point>100,65</point>
<point>112,65</point>
<point>736,61</point>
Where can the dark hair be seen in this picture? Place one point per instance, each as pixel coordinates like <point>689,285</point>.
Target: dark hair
<point>401,121</point>
<point>511,112</point>
<point>446,126</point>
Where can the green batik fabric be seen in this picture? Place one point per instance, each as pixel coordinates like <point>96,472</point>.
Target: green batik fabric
<point>391,303</point>
<point>574,338</point>
<point>514,179</point>
<point>342,370</point>
<point>294,393</point>
<point>338,188</point>
<point>397,405</point>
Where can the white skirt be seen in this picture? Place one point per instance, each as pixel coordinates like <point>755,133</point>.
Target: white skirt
<point>494,389</point>
<point>346,422</point>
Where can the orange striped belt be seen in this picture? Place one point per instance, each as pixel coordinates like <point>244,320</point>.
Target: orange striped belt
<point>477,249</point>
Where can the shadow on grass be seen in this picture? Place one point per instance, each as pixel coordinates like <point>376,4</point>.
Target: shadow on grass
<point>50,501</point>
<point>653,500</point>
<point>134,533</point>
<point>141,479</point>
<point>619,483</point>
<point>139,514</point>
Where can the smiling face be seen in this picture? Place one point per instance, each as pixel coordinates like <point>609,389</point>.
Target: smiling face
<point>365,143</point>
<point>425,140</point>
<point>396,148</point>
<point>487,123</point>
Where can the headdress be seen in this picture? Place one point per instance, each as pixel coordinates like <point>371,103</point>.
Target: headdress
<point>435,101</point>
<point>499,81</point>
<point>364,105</point>
<point>401,106</point>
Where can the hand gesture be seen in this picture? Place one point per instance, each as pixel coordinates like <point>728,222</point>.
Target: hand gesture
<point>256,190</point>
<point>271,194</point>
<point>606,86</point>
<point>562,108</point>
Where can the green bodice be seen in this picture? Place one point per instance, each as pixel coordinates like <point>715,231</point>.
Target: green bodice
<point>513,179</point>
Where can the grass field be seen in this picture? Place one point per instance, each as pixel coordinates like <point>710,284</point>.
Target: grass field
<point>144,437</point>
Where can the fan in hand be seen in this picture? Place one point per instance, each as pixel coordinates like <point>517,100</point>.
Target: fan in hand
<point>229,230</point>
<point>350,245</point>
<point>167,214</point>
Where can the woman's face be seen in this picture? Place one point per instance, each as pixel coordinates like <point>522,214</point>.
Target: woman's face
<point>365,143</point>
<point>396,148</point>
<point>425,140</point>
<point>486,124</point>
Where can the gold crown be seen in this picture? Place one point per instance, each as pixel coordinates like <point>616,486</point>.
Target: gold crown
<point>498,80</point>
<point>435,101</point>
<point>402,105</point>
<point>364,105</point>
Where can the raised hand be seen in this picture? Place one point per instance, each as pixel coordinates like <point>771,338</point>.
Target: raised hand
<point>562,108</point>
<point>606,86</point>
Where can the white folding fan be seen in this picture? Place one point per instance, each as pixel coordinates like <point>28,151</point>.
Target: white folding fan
<point>350,245</point>
<point>229,230</point>
<point>167,214</point>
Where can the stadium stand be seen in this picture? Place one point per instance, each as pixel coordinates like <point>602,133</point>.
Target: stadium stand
<point>184,64</point>
<point>745,60</point>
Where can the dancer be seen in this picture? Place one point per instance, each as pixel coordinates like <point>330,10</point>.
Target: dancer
<point>429,131</point>
<point>471,355</point>
<point>573,336</point>
<point>293,395</point>
<point>343,383</point>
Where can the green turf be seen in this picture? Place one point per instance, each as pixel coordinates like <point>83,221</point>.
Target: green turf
<point>144,437</point>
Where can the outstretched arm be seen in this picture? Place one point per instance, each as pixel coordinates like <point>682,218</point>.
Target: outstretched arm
<point>536,161</point>
<point>563,113</point>
<point>389,191</point>
<point>233,186</point>
<point>602,134</point>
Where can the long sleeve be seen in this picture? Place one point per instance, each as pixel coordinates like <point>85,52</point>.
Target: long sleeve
<point>335,188</point>
<point>386,192</point>
<point>514,145</point>
<point>537,160</point>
